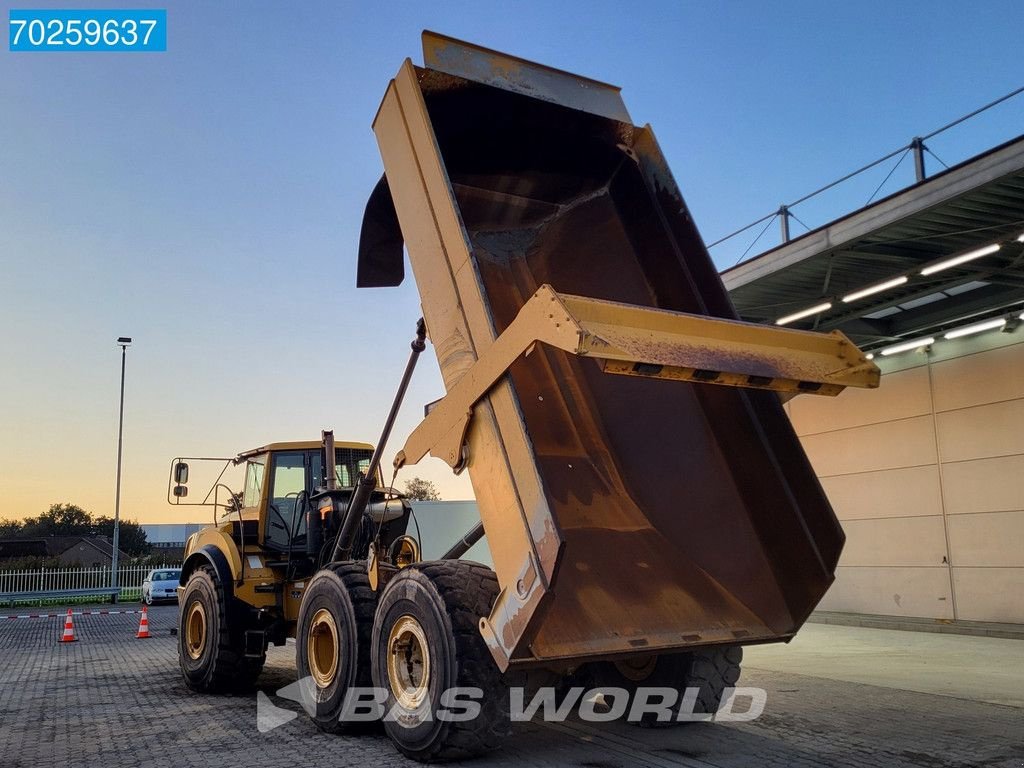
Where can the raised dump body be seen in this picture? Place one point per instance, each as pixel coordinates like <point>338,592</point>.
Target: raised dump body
<point>625,513</point>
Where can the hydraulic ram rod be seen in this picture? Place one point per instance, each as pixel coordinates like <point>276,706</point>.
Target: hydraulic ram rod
<point>368,481</point>
<point>463,545</point>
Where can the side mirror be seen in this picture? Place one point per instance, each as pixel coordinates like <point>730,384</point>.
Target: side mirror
<point>180,491</point>
<point>180,475</point>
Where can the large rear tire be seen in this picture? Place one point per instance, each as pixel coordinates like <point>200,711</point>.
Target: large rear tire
<point>709,670</point>
<point>427,642</point>
<point>211,653</point>
<point>332,641</point>
<point>712,670</point>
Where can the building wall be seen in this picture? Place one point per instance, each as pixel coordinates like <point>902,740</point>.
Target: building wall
<point>443,523</point>
<point>170,535</point>
<point>927,476</point>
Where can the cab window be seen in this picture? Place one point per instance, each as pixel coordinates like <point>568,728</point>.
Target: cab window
<point>348,464</point>
<point>288,479</point>
<point>253,481</point>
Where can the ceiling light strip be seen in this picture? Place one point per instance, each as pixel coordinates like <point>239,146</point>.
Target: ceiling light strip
<point>816,309</point>
<point>961,259</point>
<point>907,346</point>
<point>869,291</point>
<point>967,330</point>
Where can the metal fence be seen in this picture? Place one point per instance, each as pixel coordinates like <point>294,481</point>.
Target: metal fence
<point>130,578</point>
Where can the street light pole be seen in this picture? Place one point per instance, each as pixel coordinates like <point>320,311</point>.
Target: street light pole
<point>123,341</point>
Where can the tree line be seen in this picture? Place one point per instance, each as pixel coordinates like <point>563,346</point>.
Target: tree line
<point>72,520</point>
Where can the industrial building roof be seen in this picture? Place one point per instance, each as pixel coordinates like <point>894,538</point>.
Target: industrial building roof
<point>884,270</point>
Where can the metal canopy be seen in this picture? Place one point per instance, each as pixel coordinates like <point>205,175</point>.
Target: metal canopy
<point>972,205</point>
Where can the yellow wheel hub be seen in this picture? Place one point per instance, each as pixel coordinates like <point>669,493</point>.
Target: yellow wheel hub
<point>322,648</point>
<point>195,630</point>
<point>408,662</point>
<point>637,670</point>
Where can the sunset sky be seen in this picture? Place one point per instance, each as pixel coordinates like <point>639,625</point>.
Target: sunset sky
<point>207,201</point>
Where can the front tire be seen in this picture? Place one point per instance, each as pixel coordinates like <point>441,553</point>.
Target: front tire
<point>332,641</point>
<point>426,642</point>
<point>210,651</point>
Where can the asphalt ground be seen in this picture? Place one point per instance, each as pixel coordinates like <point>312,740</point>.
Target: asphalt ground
<point>111,700</point>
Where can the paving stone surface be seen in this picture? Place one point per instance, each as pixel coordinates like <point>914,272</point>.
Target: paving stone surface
<point>111,700</point>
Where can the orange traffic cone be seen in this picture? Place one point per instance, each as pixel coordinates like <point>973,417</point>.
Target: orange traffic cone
<point>69,630</point>
<point>143,632</point>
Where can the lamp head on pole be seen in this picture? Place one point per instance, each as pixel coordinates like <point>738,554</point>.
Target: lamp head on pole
<point>124,341</point>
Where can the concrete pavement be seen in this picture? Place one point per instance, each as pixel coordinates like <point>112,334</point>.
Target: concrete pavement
<point>113,701</point>
<point>982,669</point>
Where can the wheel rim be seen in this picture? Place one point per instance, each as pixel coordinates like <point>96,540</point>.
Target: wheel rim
<point>195,630</point>
<point>322,648</point>
<point>637,670</point>
<point>408,662</point>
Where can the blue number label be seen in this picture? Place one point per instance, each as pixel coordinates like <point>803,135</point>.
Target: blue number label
<point>85,30</point>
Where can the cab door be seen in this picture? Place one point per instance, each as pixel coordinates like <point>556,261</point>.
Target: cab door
<point>285,525</point>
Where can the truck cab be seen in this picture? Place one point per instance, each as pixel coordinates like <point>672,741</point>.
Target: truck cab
<point>280,480</point>
<point>270,534</point>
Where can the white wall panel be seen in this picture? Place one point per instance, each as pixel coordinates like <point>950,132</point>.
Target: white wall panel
<point>905,395</point>
<point>899,541</point>
<point>885,493</point>
<point>987,539</point>
<point>875,454</point>
<point>893,445</point>
<point>891,591</point>
<point>989,594</point>
<point>982,431</point>
<point>984,485</point>
<point>987,377</point>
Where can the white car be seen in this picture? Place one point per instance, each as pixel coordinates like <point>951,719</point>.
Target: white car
<point>161,584</point>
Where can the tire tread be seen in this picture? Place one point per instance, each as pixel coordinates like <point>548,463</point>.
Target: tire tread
<point>713,670</point>
<point>468,591</point>
<point>232,671</point>
<point>354,577</point>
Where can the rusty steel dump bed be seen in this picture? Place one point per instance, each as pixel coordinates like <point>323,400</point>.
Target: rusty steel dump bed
<point>625,513</point>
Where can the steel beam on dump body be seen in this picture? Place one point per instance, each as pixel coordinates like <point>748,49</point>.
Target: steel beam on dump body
<point>642,341</point>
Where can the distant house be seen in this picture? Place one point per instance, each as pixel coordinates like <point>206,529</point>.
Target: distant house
<point>69,550</point>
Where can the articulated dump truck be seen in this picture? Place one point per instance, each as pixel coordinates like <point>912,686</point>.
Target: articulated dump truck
<point>646,503</point>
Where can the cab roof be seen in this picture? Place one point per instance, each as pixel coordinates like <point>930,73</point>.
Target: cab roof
<point>300,445</point>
